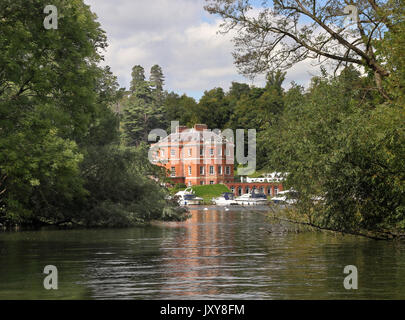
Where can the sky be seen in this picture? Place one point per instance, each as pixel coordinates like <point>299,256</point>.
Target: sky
<point>181,37</point>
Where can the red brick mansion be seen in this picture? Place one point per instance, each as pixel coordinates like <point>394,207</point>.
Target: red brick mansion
<point>196,156</point>
<point>199,156</point>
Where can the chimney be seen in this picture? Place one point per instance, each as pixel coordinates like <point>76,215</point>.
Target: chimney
<point>180,129</point>
<point>200,127</point>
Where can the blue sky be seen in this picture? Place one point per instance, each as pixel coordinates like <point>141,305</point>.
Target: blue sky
<point>181,37</point>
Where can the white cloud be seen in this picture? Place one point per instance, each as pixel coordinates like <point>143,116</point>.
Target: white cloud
<point>176,34</point>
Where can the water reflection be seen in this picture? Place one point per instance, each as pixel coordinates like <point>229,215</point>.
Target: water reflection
<point>216,254</point>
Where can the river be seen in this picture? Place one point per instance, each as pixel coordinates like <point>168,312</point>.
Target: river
<point>216,254</point>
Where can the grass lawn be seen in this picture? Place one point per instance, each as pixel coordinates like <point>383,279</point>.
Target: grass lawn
<point>209,191</point>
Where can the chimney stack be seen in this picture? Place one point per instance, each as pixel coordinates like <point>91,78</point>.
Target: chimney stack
<point>200,127</point>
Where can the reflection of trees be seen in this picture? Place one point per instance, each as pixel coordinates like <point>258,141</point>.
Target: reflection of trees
<point>23,258</point>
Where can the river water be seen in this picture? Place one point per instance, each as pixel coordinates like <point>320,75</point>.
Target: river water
<point>216,254</point>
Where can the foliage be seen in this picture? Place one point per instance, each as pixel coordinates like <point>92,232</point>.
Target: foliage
<point>349,151</point>
<point>61,161</point>
<point>143,106</point>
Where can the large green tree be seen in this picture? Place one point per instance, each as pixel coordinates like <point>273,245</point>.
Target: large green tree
<point>55,116</point>
<point>143,106</point>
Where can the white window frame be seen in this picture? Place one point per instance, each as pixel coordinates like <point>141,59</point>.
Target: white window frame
<point>227,170</point>
<point>189,170</point>
<point>212,170</point>
<point>219,169</point>
<point>202,170</point>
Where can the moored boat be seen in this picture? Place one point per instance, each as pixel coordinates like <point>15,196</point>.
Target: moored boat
<point>226,199</point>
<point>285,197</point>
<point>253,198</point>
<point>187,198</point>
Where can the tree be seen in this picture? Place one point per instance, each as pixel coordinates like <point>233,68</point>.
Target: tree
<point>48,100</point>
<point>179,108</point>
<point>143,109</point>
<point>157,79</point>
<point>56,119</point>
<point>344,157</point>
<point>294,30</point>
<point>213,109</point>
<point>138,77</point>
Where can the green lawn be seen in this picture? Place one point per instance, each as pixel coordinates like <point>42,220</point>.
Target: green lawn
<point>209,191</point>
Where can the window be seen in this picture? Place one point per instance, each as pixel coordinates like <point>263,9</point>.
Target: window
<point>240,191</point>
<point>261,190</point>
<point>269,190</point>
<point>189,152</point>
<point>228,151</point>
<point>228,170</point>
<point>211,152</point>
<point>201,151</point>
<point>219,169</point>
<point>201,182</point>
<point>173,171</point>
<point>173,152</point>
<point>247,190</point>
<point>220,151</point>
<point>189,170</point>
<point>201,169</point>
<point>189,183</point>
<point>232,188</point>
<point>275,190</point>
<point>211,169</point>
<point>211,182</point>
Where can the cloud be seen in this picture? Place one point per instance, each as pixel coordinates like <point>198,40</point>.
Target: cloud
<point>176,34</point>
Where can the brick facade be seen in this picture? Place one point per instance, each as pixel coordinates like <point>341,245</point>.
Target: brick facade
<point>196,156</point>
<point>268,188</point>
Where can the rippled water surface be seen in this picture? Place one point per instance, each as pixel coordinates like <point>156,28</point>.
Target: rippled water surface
<point>217,254</point>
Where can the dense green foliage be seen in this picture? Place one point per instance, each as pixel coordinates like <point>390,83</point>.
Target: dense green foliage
<point>60,155</point>
<point>342,141</point>
<point>349,151</point>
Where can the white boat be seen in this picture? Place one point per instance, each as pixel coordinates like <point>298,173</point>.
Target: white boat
<point>251,199</point>
<point>226,199</point>
<point>187,197</point>
<point>285,197</point>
